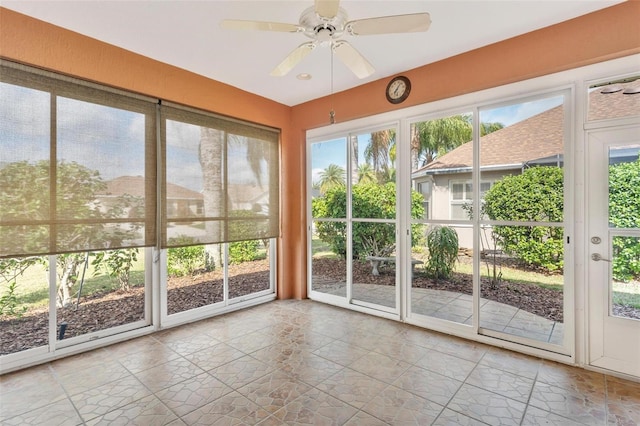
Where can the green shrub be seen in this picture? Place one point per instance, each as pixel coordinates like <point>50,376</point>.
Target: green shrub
<point>184,260</point>
<point>442,243</point>
<point>534,196</point>
<point>244,251</point>
<point>624,212</point>
<point>369,200</point>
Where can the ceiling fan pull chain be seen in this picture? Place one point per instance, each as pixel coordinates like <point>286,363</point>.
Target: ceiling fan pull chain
<point>332,113</point>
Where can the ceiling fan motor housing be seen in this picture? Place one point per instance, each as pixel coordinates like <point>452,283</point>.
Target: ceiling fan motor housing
<point>323,29</point>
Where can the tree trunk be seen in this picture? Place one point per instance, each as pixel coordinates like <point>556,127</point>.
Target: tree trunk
<point>211,160</point>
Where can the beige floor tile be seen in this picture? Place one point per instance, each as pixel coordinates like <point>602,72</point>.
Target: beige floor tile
<point>623,402</point>
<point>99,374</point>
<point>26,397</point>
<point>364,419</point>
<point>274,391</point>
<point>501,382</point>
<point>59,413</point>
<point>340,352</point>
<point>380,367</point>
<point>586,407</point>
<point>487,406</point>
<point>231,409</point>
<point>397,348</point>
<point>315,408</point>
<point>447,365</point>
<point>192,394</point>
<point>241,371</point>
<point>537,417</point>
<point>148,411</point>
<point>462,349</point>
<point>429,385</point>
<point>451,418</point>
<point>102,399</point>
<point>168,374</point>
<point>569,377</point>
<point>214,356</point>
<point>352,387</point>
<point>398,407</point>
<point>155,354</point>
<point>512,362</point>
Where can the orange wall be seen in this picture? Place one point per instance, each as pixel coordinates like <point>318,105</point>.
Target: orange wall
<point>606,34</point>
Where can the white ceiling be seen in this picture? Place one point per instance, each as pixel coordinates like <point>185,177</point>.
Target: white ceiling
<point>187,34</point>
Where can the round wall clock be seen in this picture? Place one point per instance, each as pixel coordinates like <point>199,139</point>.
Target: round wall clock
<point>398,89</point>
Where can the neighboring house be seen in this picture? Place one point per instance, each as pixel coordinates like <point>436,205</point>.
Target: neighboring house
<point>536,141</point>
<point>181,201</point>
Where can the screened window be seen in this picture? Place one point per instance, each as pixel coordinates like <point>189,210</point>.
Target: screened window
<point>462,198</point>
<point>221,180</point>
<point>77,167</point>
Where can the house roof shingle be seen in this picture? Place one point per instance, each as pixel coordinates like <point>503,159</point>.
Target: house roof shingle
<point>536,137</point>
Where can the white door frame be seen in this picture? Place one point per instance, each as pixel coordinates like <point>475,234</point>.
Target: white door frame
<point>613,342</point>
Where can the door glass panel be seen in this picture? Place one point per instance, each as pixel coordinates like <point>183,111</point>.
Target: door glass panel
<point>99,290</point>
<point>521,265</point>
<point>624,286</point>
<point>441,271</point>
<point>624,215</point>
<point>24,307</point>
<point>374,264</point>
<point>329,273</point>
<point>329,210</point>
<point>373,196</point>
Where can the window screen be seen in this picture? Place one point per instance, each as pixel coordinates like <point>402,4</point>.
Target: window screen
<point>221,182</point>
<point>77,167</point>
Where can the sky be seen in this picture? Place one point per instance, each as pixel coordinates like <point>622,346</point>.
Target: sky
<point>111,140</point>
<point>102,138</point>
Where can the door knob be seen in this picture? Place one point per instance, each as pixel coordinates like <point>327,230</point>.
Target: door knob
<point>598,256</point>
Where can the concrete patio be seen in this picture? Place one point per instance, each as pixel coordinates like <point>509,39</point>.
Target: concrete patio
<point>456,307</point>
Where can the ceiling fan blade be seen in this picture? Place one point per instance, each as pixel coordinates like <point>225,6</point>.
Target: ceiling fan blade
<point>293,59</point>
<point>236,24</point>
<point>410,23</point>
<point>327,8</point>
<point>353,59</point>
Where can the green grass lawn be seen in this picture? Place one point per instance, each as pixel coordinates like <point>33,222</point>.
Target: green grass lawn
<point>32,288</point>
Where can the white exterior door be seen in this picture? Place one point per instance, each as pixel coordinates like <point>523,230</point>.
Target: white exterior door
<point>613,249</point>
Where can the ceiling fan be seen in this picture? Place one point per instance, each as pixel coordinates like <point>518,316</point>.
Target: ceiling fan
<point>325,23</point>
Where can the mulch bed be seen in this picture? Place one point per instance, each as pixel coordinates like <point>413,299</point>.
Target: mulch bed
<point>106,310</point>
<point>101,311</point>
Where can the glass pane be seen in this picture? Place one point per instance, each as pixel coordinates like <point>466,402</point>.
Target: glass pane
<point>442,152</point>
<point>614,100</point>
<point>195,277</point>
<point>24,169</point>
<point>100,174</point>
<point>374,263</point>
<point>328,264</point>
<point>442,276</point>
<point>99,290</point>
<point>624,181</point>
<point>249,271</point>
<point>24,312</point>
<point>625,283</point>
<point>328,178</point>
<point>522,281</point>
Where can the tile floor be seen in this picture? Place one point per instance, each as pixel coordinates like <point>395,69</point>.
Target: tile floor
<point>306,363</point>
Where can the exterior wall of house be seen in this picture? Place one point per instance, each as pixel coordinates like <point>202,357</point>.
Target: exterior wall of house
<point>607,34</point>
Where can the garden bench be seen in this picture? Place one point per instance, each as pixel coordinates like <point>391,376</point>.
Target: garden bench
<point>379,260</point>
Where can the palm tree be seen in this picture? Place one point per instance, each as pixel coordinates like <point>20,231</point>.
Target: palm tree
<point>432,138</point>
<point>379,153</point>
<point>366,174</point>
<point>331,177</point>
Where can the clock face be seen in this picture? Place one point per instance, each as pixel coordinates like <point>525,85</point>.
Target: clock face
<point>398,89</point>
